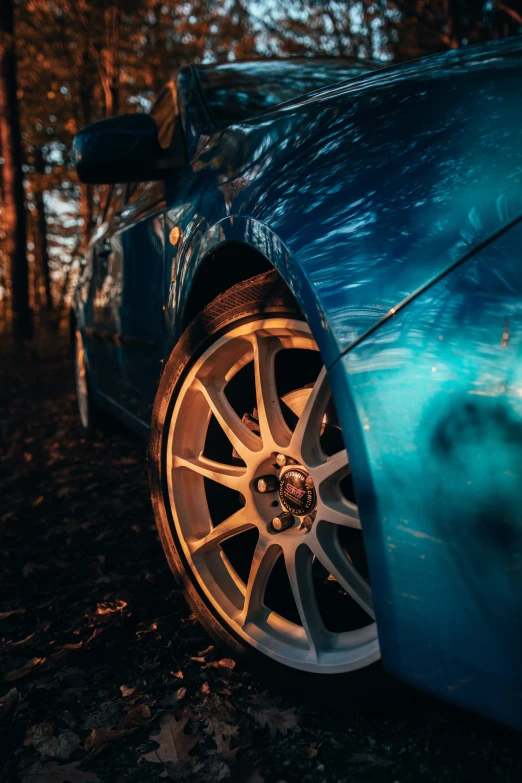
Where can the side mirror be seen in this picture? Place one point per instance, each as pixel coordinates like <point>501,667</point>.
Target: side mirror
<point>124,149</point>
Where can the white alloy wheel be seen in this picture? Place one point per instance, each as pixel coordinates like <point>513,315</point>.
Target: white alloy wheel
<point>292,512</point>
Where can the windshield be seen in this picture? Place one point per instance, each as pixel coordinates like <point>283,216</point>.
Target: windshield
<point>238,91</point>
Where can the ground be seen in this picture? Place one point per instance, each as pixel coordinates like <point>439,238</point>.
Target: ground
<point>99,652</point>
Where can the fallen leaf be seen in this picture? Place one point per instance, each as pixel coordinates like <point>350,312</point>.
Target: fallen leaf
<point>274,718</point>
<point>218,717</point>
<point>136,717</point>
<point>58,773</point>
<point>207,650</point>
<point>8,701</point>
<point>99,738</point>
<point>197,659</point>
<point>62,653</point>
<point>223,747</point>
<point>109,607</point>
<point>127,690</point>
<point>219,727</point>
<point>218,771</point>
<point>5,615</point>
<point>205,688</point>
<point>60,747</point>
<point>17,674</point>
<point>174,744</point>
<point>20,643</point>
<point>224,663</point>
<point>178,675</point>
<point>38,501</point>
<point>181,693</point>
<point>36,733</point>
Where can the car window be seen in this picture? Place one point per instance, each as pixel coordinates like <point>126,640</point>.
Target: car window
<point>237,91</point>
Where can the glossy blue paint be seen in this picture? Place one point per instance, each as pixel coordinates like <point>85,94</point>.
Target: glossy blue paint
<point>376,187</point>
<point>436,422</point>
<point>364,196</point>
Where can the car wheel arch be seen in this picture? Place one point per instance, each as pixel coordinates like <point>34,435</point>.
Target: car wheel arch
<point>258,249</point>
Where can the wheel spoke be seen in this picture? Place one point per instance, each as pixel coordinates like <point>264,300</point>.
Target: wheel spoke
<point>305,438</point>
<point>339,511</point>
<point>332,469</point>
<point>331,505</point>
<point>227,475</point>
<point>242,439</point>
<point>233,526</point>
<point>299,568</point>
<point>274,430</point>
<point>265,556</point>
<point>329,552</point>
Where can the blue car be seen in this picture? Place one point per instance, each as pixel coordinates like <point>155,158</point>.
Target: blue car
<point>305,289</point>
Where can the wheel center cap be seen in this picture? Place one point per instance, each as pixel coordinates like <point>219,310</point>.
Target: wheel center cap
<point>297,491</point>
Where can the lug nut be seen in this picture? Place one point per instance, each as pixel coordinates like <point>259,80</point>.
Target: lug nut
<point>283,522</point>
<point>267,484</point>
<point>308,521</point>
<point>281,460</point>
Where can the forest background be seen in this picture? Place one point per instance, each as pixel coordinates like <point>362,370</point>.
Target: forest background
<point>66,63</point>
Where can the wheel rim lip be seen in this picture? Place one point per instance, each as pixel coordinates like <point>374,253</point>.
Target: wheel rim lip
<point>278,638</point>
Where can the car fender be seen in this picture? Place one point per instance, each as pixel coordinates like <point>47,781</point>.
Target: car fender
<point>256,235</point>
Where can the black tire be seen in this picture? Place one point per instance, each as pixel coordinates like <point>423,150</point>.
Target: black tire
<point>265,294</point>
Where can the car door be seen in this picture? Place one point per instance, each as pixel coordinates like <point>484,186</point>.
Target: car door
<point>143,287</point>
<point>138,306</point>
<point>106,262</point>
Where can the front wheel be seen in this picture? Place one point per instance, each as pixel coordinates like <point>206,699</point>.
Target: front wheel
<point>252,490</point>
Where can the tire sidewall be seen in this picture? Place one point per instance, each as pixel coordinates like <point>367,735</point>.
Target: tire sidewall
<point>263,296</point>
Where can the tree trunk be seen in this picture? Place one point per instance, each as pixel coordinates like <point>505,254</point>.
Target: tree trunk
<point>41,232</point>
<point>85,94</point>
<point>108,64</point>
<point>12,175</point>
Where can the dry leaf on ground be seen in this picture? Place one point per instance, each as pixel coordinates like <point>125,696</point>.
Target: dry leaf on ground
<point>223,747</point>
<point>5,615</point>
<point>60,747</point>
<point>174,744</point>
<point>99,738</point>
<point>219,770</point>
<point>136,717</point>
<point>225,663</point>
<point>35,734</point>
<point>58,773</point>
<point>109,607</point>
<point>8,701</point>
<point>273,717</point>
<point>23,671</point>
<point>20,643</point>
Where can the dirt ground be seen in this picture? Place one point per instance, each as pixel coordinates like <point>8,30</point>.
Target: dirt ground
<point>106,675</point>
